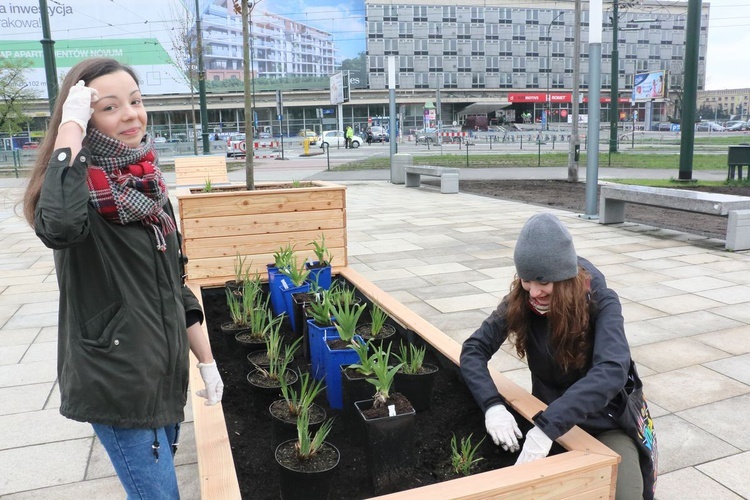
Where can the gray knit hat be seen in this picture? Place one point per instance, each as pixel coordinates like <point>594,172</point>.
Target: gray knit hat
<point>544,250</point>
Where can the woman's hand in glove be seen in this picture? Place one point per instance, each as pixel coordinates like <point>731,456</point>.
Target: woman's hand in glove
<point>502,428</point>
<point>214,385</point>
<point>537,446</point>
<point>77,106</point>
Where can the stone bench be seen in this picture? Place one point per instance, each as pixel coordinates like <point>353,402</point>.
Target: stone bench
<point>737,208</point>
<point>448,176</point>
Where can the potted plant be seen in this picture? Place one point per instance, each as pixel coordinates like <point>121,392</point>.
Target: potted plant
<point>377,329</point>
<point>258,320</point>
<point>320,269</point>
<point>320,327</point>
<point>297,275</point>
<point>264,338</point>
<point>284,412</point>
<point>240,274</point>
<point>355,387</point>
<point>238,318</point>
<point>306,464</point>
<point>463,459</point>
<point>267,381</point>
<point>389,423</point>
<point>337,352</point>
<point>415,379</point>
<point>282,259</point>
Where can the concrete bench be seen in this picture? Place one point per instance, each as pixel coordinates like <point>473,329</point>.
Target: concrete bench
<point>737,208</point>
<point>448,176</point>
<point>194,170</point>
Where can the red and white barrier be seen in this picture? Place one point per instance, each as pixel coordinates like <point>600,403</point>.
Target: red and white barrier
<point>453,134</point>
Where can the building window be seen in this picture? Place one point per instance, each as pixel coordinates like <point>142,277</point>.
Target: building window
<point>678,51</point>
<point>506,81</point>
<point>391,46</point>
<point>477,14</point>
<point>532,16</point>
<point>558,81</point>
<point>532,48</point>
<point>435,30</point>
<point>492,64</point>
<point>505,16</point>
<point>420,47</point>
<point>406,64</point>
<point>390,13</point>
<point>506,48</point>
<point>477,80</point>
<point>377,64</point>
<point>569,34</point>
<point>405,30</point>
<point>449,14</point>
<point>375,29</point>
<point>450,80</point>
<point>450,48</point>
<point>532,80</point>
<point>519,64</point>
<point>420,13</point>
<point>477,47</point>
<point>464,31</point>
<point>464,64</point>
<point>560,21</point>
<point>435,64</point>
<point>491,32</point>
<point>519,32</point>
<point>568,65</point>
<point>421,81</point>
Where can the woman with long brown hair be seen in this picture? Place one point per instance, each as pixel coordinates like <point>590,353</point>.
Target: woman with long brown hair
<point>126,320</point>
<point>563,319</point>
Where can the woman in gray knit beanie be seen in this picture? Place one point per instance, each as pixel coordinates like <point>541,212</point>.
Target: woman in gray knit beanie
<point>561,316</point>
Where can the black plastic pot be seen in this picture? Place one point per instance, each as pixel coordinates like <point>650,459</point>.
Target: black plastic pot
<point>265,393</point>
<point>296,483</point>
<point>354,388</point>
<point>286,429</point>
<point>417,387</point>
<point>228,331</point>
<point>389,447</point>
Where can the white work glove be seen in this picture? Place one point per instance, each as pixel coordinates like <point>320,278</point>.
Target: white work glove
<point>77,106</point>
<point>537,446</point>
<point>502,427</point>
<point>212,380</point>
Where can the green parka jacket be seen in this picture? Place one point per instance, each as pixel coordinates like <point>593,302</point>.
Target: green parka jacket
<point>122,355</point>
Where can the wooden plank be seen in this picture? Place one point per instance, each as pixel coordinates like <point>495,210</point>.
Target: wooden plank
<point>221,269</point>
<point>194,170</point>
<point>254,244</point>
<point>261,202</point>
<point>210,227</point>
<point>572,474</point>
<point>218,477</point>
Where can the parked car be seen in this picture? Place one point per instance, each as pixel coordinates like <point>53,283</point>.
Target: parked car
<point>236,145</point>
<point>426,135</point>
<point>336,138</point>
<point>736,125</point>
<point>265,136</point>
<point>379,134</point>
<point>709,126</point>
<point>160,139</point>
<point>308,134</point>
<point>30,145</point>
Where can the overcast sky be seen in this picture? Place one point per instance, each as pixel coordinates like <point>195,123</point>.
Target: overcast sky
<point>728,58</point>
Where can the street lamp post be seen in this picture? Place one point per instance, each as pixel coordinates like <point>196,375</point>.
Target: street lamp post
<point>549,65</point>
<point>615,81</point>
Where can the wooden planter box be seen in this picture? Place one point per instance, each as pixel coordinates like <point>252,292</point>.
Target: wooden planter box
<point>216,226</point>
<point>586,471</point>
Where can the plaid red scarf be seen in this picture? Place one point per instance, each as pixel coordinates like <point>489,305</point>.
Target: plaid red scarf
<point>126,185</point>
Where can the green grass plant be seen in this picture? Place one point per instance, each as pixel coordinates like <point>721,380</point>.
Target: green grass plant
<point>297,402</point>
<point>307,444</point>
<point>412,357</point>
<point>462,459</point>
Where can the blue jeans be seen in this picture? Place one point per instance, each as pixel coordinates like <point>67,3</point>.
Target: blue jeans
<point>135,460</point>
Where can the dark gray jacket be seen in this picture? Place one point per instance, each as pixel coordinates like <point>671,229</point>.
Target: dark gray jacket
<point>122,355</point>
<point>578,398</point>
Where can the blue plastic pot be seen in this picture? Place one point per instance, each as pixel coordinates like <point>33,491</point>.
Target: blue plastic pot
<point>317,335</point>
<point>274,288</point>
<point>333,359</point>
<point>319,275</point>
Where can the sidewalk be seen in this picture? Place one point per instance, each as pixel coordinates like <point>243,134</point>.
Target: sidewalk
<point>686,303</point>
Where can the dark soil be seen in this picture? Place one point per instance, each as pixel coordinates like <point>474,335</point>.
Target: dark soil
<point>249,424</point>
<point>572,196</point>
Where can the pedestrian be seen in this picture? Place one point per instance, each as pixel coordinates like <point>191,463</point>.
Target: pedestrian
<point>126,320</point>
<point>349,134</point>
<point>369,136</point>
<point>561,316</point>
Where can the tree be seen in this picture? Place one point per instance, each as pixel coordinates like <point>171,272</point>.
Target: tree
<point>15,92</point>
<point>356,64</point>
<point>184,43</point>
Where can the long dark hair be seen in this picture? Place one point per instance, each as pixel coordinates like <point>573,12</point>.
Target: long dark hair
<point>569,316</point>
<point>87,71</point>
